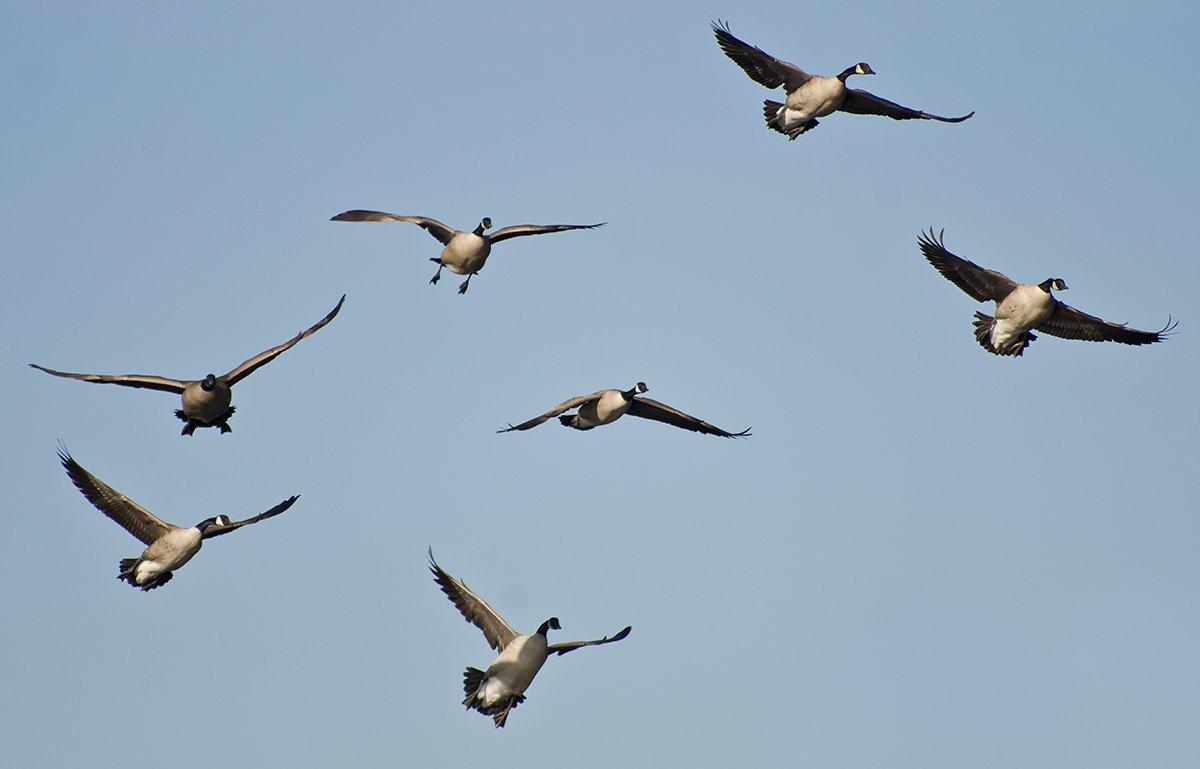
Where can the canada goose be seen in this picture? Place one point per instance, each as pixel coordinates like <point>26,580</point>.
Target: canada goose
<point>169,546</point>
<point>1021,307</point>
<point>605,406</point>
<point>205,401</point>
<point>810,96</point>
<point>500,688</point>
<point>465,253</point>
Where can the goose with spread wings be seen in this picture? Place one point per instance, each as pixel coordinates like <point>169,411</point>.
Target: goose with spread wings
<point>205,401</point>
<point>1023,307</point>
<point>607,406</point>
<point>464,253</point>
<point>810,96</point>
<point>497,690</point>
<point>168,547</point>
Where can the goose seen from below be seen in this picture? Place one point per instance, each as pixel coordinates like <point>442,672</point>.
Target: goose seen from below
<point>464,253</point>
<point>168,547</point>
<point>206,402</point>
<point>1023,307</point>
<point>497,690</point>
<point>810,96</point>
<point>607,406</point>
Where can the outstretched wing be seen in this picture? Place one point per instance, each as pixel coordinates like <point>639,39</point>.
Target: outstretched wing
<point>473,608</point>
<point>573,645</point>
<point>131,516</point>
<point>128,380</point>
<point>762,67</point>
<point>216,531</point>
<point>246,368</point>
<point>566,405</point>
<point>647,408</point>
<point>442,232</point>
<point>520,230</point>
<point>864,103</point>
<point>1069,323</point>
<point>982,284</point>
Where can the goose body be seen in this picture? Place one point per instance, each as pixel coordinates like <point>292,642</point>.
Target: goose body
<point>463,253</point>
<point>810,96</point>
<point>168,547</point>
<point>496,691</point>
<point>607,406</point>
<point>206,402</point>
<point>1022,308</point>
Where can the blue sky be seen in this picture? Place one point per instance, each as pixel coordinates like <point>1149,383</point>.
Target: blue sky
<point>926,556</point>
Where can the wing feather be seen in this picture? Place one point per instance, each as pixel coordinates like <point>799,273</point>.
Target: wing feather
<point>1069,323</point>
<point>520,230</point>
<point>982,284</point>
<point>566,405</point>
<point>248,367</point>
<point>148,381</point>
<point>216,531</point>
<point>473,608</point>
<point>571,646</point>
<point>131,516</point>
<point>443,232</point>
<point>865,103</point>
<point>648,408</point>
<point>762,67</point>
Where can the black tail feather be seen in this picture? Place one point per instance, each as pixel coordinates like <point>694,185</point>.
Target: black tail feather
<point>128,573</point>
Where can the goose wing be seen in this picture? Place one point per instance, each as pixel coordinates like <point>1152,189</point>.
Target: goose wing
<point>647,408</point>
<point>128,380</point>
<point>248,367</point>
<point>216,531</point>
<point>982,284</point>
<point>443,232</point>
<point>1069,323</point>
<point>573,645</point>
<point>131,516</point>
<point>864,103</point>
<point>520,230</point>
<point>473,608</point>
<point>762,67</point>
<point>566,405</point>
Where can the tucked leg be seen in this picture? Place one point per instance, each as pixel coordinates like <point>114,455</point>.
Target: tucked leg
<point>462,289</point>
<point>437,275</point>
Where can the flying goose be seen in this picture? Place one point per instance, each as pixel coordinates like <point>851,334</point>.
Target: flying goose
<point>465,253</point>
<point>810,96</point>
<point>169,546</point>
<point>500,688</point>
<point>205,401</point>
<point>1021,307</point>
<point>606,406</point>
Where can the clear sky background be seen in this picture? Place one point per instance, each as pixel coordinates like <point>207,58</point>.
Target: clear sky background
<point>926,556</point>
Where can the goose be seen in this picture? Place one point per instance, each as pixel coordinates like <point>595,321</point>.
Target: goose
<point>497,690</point>
<point>465,253</point>
<point>205,401</point>
<point>606,406</point>
<point>169,546</point>
<point>810,96</point>
<point>1022,307</point>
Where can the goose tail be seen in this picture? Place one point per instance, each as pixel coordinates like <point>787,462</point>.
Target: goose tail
<point>983,334</point>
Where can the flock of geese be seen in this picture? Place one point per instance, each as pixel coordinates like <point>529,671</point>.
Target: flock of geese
<point>1020,309</point>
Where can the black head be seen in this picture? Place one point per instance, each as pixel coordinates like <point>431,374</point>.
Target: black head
<point>1058,284</point>
<point>637,389</point>
<point>208,383</point>
<point>486,224</point>
<point>214,522</point>
<point>862,68</point>
<point>548,625</point>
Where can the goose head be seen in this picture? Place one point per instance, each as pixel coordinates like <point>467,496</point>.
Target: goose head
<point>637,389</point>
<point>211,523</point>
<point>862,68</point>
<point>548,625</point>
<point>1058,284</point>
<point>486,224</point>
<point>208,383</point>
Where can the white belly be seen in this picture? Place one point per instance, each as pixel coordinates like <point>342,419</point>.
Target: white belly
<point>612,404</point>
<point>513,671</point>
<point>466,253</point>
<point>819,97</point>
<point>168,553</point>
<point>206,405</point>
